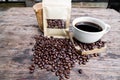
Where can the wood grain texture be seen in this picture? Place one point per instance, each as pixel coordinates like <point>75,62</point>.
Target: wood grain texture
<point>17,29</point>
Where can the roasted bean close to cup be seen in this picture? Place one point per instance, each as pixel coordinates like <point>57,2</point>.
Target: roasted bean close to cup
<point>57,55</point>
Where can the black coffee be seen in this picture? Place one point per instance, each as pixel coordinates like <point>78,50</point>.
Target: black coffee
<point>88,26</point>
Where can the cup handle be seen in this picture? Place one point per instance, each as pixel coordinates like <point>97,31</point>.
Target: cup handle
<point>108,27</point>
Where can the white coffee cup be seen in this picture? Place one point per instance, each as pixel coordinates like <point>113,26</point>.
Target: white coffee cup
<point>89,37</point>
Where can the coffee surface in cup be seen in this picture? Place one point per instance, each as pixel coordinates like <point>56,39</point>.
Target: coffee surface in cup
<point>88,26</point>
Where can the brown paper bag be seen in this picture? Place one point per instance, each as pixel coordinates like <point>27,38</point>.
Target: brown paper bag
<point>56,17</point>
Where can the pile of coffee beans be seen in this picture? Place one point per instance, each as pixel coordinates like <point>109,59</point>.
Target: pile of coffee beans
<point>56,23</point>
<point>90,46</point>
<point>57,55</point>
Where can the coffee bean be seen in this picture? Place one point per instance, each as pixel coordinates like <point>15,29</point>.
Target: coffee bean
<point>80,62</point>
<point>53,70</point>
<point>31,68</point>
<point>87,60</point>
<point>32,59</point>
<point>33,65</point>
<point>67,76</point>
<point>84,63</point>
<point>80,71</point>
<point>33,49</point>
<point>95,54</point>
<point>61,79</point>
<point>59,55</point>
<point>56,23</point>
<point>98,54</point>
<point>31,71</point>
<point>57,73</point>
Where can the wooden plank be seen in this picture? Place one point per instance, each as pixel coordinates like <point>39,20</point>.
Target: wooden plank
<point>19,25</point>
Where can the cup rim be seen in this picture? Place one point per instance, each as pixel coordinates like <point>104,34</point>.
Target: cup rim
<point>73,24</point>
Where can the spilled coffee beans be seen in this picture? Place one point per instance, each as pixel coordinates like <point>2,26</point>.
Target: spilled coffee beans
<point>58,55</point>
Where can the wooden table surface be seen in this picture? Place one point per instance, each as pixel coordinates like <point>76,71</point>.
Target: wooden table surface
<point>19,25</point>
